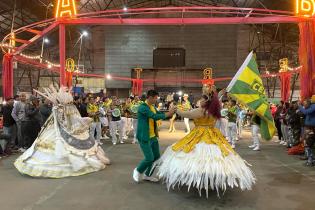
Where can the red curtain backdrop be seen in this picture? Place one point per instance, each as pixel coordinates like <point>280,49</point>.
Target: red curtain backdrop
<point>7,76</point>
<point>69,79</point>
<point>307,58</point>
<point>207,82</point>
<point>137,85</point>
<point>285,78</point>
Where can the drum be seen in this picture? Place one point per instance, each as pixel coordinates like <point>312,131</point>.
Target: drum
<point>134,108</point>
<point>116,112</point>
<point>224,112</point>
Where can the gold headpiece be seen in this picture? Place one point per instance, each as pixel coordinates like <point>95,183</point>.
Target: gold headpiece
<point>208,83</point>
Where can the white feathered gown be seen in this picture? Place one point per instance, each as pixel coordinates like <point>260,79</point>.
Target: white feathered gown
<point>63,147</point>
<point>204,159</point>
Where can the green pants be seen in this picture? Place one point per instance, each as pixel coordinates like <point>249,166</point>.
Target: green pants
<point>151,152</point>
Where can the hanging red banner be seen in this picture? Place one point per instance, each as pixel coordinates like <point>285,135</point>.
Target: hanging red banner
<point>307,59</point>
<point>137,85</point>
<point>285,78</point>
<point>7,76</point>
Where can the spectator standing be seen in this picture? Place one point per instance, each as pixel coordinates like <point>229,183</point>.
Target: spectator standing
<point>309,129</point>
<point>9,126</point>
<point>32,121</point>
<point>278,122</point>
<point>18,114</point>
<point>83,107</point>
<point>45,110</point>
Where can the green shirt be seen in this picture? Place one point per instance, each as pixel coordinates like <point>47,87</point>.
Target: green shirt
<point>232,111</point>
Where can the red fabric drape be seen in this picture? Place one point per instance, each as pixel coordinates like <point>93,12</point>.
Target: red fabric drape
<point>7,76</point>
<point>69,78</point>
<point>285,78</point>
<point>307,58</point>
<point>137,85</point>
<point>208,82</point>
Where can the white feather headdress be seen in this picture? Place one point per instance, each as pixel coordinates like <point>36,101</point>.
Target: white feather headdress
<point>63,96</point>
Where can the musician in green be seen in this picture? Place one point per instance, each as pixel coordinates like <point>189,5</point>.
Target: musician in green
<point>147,135</point>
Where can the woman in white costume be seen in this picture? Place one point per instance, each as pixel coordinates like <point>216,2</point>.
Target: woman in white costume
<point>204,159</point>
<point>63,147</point>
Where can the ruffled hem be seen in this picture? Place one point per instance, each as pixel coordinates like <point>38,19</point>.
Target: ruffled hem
<point>204,168</point>
<point>51,172</point>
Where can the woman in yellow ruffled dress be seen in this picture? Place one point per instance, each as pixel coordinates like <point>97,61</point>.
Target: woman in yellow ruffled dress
<point>63,147</point>
<point>204,159</point>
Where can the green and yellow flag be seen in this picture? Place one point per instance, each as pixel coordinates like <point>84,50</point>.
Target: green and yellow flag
<point>247,88</point>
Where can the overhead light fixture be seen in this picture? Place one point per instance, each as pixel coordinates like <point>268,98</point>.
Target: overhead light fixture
<point>85,33</point>
<point>46,40</point>
<point>49,66</point>
<point>125,8</point>
<point>180,93</point>
<point>108,76</point>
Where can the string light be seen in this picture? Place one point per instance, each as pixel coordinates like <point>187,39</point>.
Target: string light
<point>37,57</point>
<point>5,45</point>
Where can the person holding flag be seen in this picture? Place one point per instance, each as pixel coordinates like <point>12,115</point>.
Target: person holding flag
<point>247,88</point>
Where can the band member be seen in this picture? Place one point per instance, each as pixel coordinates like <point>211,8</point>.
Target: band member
<point>172,119</point>
<point>255,123</point>
<point>133,113</point>
<point>115,124</point>
<point>104,107</point>
<point>126,120</point>
<point>232,114</point>
<point>186,107</point>
<point>94,113</point>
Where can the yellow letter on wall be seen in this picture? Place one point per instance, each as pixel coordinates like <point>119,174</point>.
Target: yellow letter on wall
<point>65,8</point>
<point>305,7</point>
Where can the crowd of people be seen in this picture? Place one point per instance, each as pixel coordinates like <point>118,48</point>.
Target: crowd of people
<point>116,119</point>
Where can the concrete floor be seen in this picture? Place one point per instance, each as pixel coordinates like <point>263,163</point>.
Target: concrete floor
<point>283,183</point>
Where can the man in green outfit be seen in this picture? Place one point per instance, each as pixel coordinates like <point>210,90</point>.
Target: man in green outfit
<point>147,135</point>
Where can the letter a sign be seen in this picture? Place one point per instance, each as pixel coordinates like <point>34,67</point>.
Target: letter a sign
<point>65,8</point>
<point>305,8</point>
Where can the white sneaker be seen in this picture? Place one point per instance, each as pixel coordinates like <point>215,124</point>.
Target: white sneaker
<point>150,178</point>
<point>136,175</point>
<point>252,146</point>
<point>122,142</point>
<point>114,143</point>
<point>256,148</point>
<point>277,141</point>
<point>105,137</point>
<point>281,142</point>
<point>284,143</point>
<point>22,149</point>
<point>233,146</point>
<point>125,137</point>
